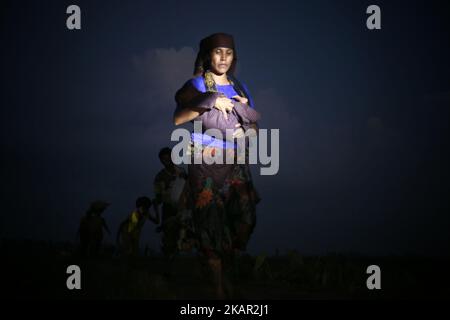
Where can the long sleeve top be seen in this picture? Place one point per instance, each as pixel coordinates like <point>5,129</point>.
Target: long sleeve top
<point>193,94</point>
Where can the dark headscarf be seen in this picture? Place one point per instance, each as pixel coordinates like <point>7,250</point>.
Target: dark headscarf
<point>217,40</point>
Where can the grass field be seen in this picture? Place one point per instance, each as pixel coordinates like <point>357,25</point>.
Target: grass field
<point>38,270</point>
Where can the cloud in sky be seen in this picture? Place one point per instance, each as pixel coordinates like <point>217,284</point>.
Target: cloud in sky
<point>164,71</point>
<point>138,114</point>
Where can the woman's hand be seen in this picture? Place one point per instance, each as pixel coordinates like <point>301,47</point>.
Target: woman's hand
<point>241,99</point>
<point>224,104</point>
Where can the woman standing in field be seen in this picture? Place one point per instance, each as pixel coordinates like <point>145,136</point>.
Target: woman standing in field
<point>221,196</point>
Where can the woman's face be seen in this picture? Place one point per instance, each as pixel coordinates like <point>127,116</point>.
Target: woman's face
<point>221,59</point>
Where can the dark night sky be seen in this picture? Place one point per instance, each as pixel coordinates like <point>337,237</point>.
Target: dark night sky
<point>363,115</point>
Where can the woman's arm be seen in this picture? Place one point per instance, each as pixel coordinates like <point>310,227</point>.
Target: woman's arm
<point>191,103</point>
<point>223,104</point>
<point>185,115</point>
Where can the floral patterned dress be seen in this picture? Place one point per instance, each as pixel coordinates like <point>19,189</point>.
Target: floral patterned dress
<point>221,196</point>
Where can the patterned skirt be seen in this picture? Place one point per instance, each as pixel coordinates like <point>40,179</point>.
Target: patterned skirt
<point>223,201</point>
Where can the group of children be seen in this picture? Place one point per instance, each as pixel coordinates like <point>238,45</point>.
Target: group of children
<point>175,223</point>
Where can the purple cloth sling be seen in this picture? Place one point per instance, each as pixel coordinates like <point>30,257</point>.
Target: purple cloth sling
<point>193,94</point>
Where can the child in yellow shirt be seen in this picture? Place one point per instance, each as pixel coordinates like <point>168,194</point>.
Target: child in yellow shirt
<point>130,230</point>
